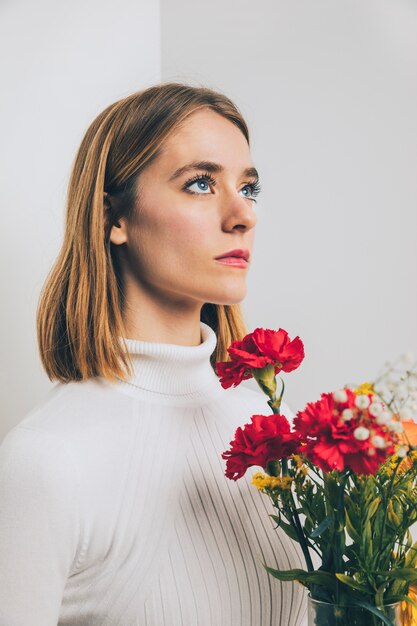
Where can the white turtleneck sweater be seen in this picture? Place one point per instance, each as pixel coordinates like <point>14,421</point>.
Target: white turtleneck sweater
<point>115,510</point>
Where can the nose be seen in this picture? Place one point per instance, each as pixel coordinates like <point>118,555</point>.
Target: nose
<point>238,213</point>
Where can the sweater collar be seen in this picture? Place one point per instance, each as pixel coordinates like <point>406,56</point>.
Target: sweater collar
<point>173,370</point>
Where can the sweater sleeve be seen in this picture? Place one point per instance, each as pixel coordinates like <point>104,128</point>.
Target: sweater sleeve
<point>39,526</point>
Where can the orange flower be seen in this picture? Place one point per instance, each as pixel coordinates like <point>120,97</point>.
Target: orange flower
<point>410,432</point>
<point>408,611</point>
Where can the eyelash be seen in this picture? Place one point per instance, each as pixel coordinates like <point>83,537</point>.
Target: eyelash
<point>254,187</point>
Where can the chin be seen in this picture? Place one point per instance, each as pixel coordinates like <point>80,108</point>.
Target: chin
<point>230,296</point>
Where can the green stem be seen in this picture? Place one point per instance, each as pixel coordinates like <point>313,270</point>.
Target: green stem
<point>293,515</point>
<point>275,404</point>
<point>386,502</point>
<point>340,529</point>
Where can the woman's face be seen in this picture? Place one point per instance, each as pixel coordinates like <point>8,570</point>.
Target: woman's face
<point>184,219</point>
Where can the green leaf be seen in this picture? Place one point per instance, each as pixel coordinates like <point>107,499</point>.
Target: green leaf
<point>411,558</point>
<point>409,574</point>
<point>324,525</point>
<point>374,610</point>
<point>351,582</point>
<point>287,575</point>
<point>318,577</point>
<point>367,541</point>
<point>287,528</point>
<point>332,490</point>
<point>379,596</point>
<point>373,508</point>
<point>352,532</point>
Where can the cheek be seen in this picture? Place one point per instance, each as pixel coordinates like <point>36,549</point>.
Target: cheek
<point>183,229</point>
<point>181,236</point>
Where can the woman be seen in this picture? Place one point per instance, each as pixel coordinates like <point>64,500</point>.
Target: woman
<point>114,507</point>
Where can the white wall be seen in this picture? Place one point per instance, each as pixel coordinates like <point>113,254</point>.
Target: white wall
<point>62,63</point>
<point>330,93</point>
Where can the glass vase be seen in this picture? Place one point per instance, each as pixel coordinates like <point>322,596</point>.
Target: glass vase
<point>327,614</point>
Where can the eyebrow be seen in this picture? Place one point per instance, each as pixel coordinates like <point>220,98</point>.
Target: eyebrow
<point>209,166</point>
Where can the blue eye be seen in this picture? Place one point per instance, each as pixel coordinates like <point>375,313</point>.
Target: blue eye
<point>203,182</point>
<point>206,179</point>
<point>254,188</point>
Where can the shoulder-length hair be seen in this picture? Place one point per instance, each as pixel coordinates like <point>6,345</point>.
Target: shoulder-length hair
<point>79,315</point>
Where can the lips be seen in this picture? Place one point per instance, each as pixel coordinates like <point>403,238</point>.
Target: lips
<point>236,254</point>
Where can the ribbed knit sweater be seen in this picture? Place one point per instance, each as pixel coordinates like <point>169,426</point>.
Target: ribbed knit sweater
<point>115,510</point>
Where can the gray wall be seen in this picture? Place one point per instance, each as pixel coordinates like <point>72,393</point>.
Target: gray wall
<point>330,93</point>
<point>63,62</point>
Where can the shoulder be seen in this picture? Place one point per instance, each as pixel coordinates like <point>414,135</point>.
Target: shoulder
<point>81,423</point>
<point>37,469</point>
<point>78,409</point>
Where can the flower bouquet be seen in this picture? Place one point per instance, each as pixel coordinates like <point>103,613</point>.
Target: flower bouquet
<point>342,479</point>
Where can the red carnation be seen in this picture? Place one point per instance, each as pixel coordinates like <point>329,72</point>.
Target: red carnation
<point>255,351</point>
<point>267,438</point>
<point>337,434</point>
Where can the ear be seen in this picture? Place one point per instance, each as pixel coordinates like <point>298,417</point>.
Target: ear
<point>118,232</point>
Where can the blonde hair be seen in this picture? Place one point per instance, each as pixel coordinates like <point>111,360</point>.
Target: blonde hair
<point>79,316</point>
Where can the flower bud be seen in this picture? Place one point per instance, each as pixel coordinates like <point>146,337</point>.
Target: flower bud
<point>361,433</point>
<point>412,383</point>
<point>347,414</point>
<point>265,377</point>
<point>402,392</point>
<point>405,413</point>
<point>383,418</point>
<point>340,395</point>
<point>378,442</point>
<point>362,401</point>
<point>376,408</point>
<point>395,426</point>
<point>402,452</point>
<point>408,358</point>
<point>394,377</point>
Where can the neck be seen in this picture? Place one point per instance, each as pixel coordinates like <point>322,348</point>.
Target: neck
<point>179,374</point>
<point>158,318</point>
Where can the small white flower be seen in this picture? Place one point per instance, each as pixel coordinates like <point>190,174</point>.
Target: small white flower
<point>407,410</point>
<point>378,442</point>
<point>383,418</point>
<point>362,401</point>
<point>392,388</point>
<point>402,392</point>
<point>347,414</point>
<point>382,390</point>
<point>361,433</point>
<point>405,413</point>
<point>376,408</point>
<point>340,395</point>
<point>394,377</point>
<point>396,427</point>
<point>408,358</point>
<point>412,383</point>
<point>402,452</point>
